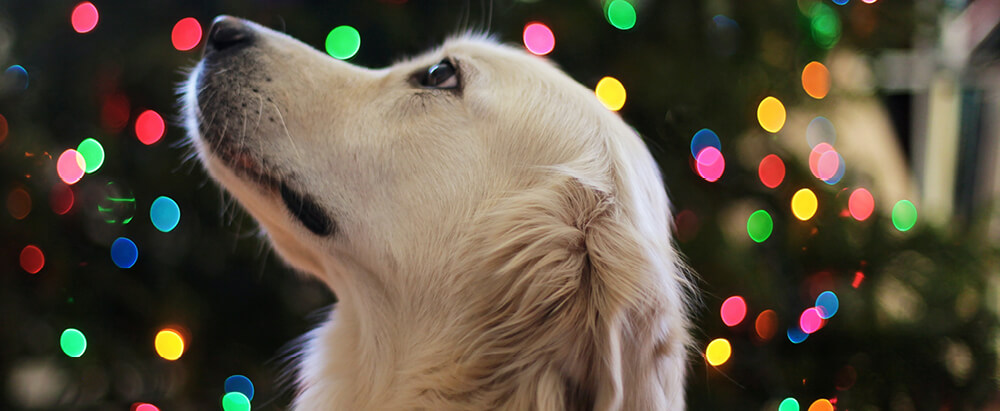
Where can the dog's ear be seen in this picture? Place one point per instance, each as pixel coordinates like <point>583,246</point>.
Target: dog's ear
<point>632,290</point>
<point>577,286</point>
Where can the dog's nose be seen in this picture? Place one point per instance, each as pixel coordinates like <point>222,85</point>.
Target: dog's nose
<point>228,32</point>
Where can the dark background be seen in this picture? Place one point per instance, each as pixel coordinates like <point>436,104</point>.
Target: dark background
<point>240,308</point>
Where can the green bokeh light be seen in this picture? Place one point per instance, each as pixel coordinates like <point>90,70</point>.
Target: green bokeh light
<point>235,401</point>
<point>72,342</point>
<point>789,404</point>
<point>904,215</point>
<point>759,226</point>
<point>93,154</point>
<point>343,42</point>
<point>621,14</point>
<point>117,206</point>
<point>825,25</point>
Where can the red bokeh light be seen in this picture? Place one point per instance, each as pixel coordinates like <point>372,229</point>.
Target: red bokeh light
<point>186,34</point>
<point>771,171</point>
<point>3,128</point>
<point>115,112</point>
<point>61,199</point>
<point>861,204</point>
<point>149,127</point>
<point>84,17</point>
<point>32,259</point>
<point>734,310</point>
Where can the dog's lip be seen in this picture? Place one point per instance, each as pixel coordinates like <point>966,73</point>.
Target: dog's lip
<point>245,165</point>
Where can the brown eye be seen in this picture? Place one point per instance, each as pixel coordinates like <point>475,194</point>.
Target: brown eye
<point>442,75</point>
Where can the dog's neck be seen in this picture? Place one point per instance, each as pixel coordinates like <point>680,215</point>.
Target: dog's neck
<point>376,353</point>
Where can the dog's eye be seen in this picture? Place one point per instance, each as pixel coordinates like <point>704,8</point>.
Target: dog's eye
<point>442,75</point>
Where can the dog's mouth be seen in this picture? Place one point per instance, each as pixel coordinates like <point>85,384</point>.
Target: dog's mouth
<point>249,168</point>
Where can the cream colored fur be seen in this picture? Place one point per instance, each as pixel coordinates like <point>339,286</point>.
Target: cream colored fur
<point>506,248</point>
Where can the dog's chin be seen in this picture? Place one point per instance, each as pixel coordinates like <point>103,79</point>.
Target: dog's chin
<point>233,164</point>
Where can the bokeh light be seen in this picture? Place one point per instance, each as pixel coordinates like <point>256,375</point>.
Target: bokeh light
<point>61,198</point>
<point>611,93</point>
<point>621,14</point>
<point>16,76</point>
<point>814,155</point>
<point>771,171</point>
<point>164,213</point>
<point>538,39</point>
<point>804,204</point>
<point>845,378</point>
<point>235,401</point>
<point>149,127</point>
<point>827,304</point>
<point>771,114</point>
<point>788,404</point>
<point>904,215</point>
<point>861,204</point>
<point>760,226</point>
<point>343,42</point>
<point>117,204</point>
<point>84,17</point>
<point>73,342</point>
<point>70,166</point>
<point>18,203</point>
<point>703,139</point>
<point>827,164</point>
<point>124,253</point>
<point>816,80</point>
<point>820,130</point>
<point>145,407</point>
<point>718,352</point>
<point>795,335</point>
<point>841,168</point>
<point>115,112</point>
<point>32,260</point>
<point>710,164</point>
<point>840,2</point>
<point>733,310</point>
<point>821,404</point>
<point>824,25</point>
<point>241,384</point>
<point>93,154</point>
<point>810,321</point>
<point>186,34</point>
<point>858,278</point>
<point>4,128</point>
<point>766,324</point>
<point>169,344</point>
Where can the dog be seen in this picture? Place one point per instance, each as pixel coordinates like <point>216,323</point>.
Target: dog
<point>496,238</point>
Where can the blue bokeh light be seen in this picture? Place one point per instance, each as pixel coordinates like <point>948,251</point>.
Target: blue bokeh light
<point>165,214</point>
<point>703,139</point>
<point>240,384</point>
<point>124,253</point>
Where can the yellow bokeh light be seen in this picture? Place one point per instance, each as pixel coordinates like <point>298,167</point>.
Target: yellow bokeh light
<point>771,114</point>
<point>804,204</point>
<point>169,344</point>
<point>611,92</point>
<point>718,352</point>
<point>821,404</point>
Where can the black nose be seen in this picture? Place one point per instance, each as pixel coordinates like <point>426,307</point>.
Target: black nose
<point>228,32</point>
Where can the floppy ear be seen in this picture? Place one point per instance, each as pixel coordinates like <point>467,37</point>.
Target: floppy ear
<point>579,291</point>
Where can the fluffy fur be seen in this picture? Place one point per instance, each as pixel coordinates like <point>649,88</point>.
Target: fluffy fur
<point>505,245</point>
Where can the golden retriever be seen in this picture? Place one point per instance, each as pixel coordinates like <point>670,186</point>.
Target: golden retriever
<point>496,238</point>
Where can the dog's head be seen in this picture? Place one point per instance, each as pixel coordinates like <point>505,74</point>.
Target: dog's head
<point>472,164</point>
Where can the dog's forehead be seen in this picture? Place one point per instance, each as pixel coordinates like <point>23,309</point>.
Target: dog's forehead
<point>475,48</point>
